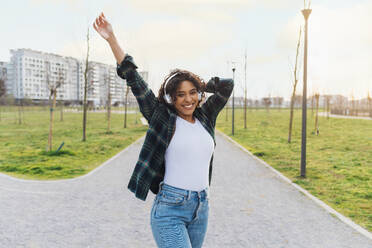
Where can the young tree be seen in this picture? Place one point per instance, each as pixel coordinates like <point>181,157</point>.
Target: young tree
<point>53,85</point>
<point>369,102</point>
<point>256,104</point>
<point>312,105</point>
<point>86,88</point>
<point>245,90</point>
<point>20,111</point>
<point>2,92</point>
<point>126,106</point>
<point>278,101</point>
<point>250,104</point>
<point>266,101</point>
<point>62,108</point>
<point>108,104</point>
<point>227,110</point>
<point>316,96</point>
<point>328,104</point>
<point>353,109</point>
<point>294,90</point>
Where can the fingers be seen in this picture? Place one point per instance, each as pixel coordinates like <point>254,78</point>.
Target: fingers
<point>95,27</point>
<point>101,19</point>
<point>97,22</point>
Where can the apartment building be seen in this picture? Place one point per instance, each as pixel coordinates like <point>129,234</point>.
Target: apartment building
<point>5,74</point>
<point>31,74</point>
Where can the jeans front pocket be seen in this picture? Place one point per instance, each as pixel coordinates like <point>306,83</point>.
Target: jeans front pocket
<point>171,198</point>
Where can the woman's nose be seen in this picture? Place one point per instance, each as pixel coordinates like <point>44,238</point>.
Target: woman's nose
<point>188,98</point>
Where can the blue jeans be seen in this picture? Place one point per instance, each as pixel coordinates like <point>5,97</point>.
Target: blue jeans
<point>179,217</point>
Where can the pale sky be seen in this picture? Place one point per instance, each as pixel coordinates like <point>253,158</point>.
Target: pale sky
<point>204,35</point>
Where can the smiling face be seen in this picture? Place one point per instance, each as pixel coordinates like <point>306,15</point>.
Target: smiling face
<point>186,100</point>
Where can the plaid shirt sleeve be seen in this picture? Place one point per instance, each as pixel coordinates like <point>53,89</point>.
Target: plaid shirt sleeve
<point>222,89</point>
<point>145,97</point>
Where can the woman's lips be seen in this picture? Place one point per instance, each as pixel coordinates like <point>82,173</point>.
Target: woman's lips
<point>188,106</point>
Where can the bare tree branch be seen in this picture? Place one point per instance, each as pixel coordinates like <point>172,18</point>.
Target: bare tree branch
<point>294,89</point>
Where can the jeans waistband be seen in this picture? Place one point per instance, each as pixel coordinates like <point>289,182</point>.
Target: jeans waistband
<point>185,192</point>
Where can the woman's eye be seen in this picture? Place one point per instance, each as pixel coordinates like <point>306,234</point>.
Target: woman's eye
<point>181,95</point>
<point>193,93</point>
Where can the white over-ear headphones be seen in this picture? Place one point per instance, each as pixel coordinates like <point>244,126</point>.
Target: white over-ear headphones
<point>167,97</point>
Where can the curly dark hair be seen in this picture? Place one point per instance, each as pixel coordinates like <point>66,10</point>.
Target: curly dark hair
<point>175,81</point>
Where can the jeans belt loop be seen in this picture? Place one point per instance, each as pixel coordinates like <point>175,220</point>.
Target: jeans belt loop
<point>160,185</point>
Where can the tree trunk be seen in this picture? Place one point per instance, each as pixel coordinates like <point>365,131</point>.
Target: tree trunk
<point>227,110</point>
<point>291,113</point>
<point>312,106</point>
<point>369,99</point>
<point>135,121</point>
<point>316,114</point>
<point>20,113</point>
<point>62,106</point>
<point>245,109</point>
<point>294,90</point>
<point>245,90</point>
<point>125,106</point>
<point>85,105</point>
<point>52,107</point>
<point>109,111</point>
<point>328,107</point>
<point>85,114</point>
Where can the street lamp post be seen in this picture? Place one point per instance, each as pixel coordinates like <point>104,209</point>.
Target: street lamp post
<point>233,105</point>
<point>306,14</point>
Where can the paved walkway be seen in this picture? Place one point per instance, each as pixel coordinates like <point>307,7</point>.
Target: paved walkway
<point>250,207</point>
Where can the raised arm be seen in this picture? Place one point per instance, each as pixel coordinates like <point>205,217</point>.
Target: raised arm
<point>126,69</point>
<point>221,89</point>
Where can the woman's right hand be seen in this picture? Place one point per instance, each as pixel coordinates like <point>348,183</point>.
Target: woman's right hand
<point>103,27</point>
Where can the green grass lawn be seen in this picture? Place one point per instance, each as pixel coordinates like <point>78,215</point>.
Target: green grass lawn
<point>339,160</point>
<point>22,147</point>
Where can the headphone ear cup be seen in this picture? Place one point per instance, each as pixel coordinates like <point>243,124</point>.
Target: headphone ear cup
<point>199,96</point>
<point>167,98</point>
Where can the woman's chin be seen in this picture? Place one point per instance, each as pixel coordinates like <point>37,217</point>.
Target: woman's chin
<point>184,112</point>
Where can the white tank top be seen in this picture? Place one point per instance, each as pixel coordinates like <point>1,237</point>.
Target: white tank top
<point>188,156</point>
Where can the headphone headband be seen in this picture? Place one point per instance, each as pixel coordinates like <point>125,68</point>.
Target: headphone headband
<point>167,97</point>
<point>166,82</point>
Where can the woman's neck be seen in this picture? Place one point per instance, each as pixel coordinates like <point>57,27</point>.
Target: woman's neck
<point>189,118</point>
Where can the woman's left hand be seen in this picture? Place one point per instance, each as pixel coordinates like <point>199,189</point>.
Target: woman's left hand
<point>103,27</point>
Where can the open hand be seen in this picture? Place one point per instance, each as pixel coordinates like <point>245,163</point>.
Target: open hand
<point>103,27</point>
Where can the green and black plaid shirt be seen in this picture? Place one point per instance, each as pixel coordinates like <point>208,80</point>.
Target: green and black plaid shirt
<point>150,167</point>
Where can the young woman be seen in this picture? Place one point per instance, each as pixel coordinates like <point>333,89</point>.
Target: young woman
<point>175,161</point>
